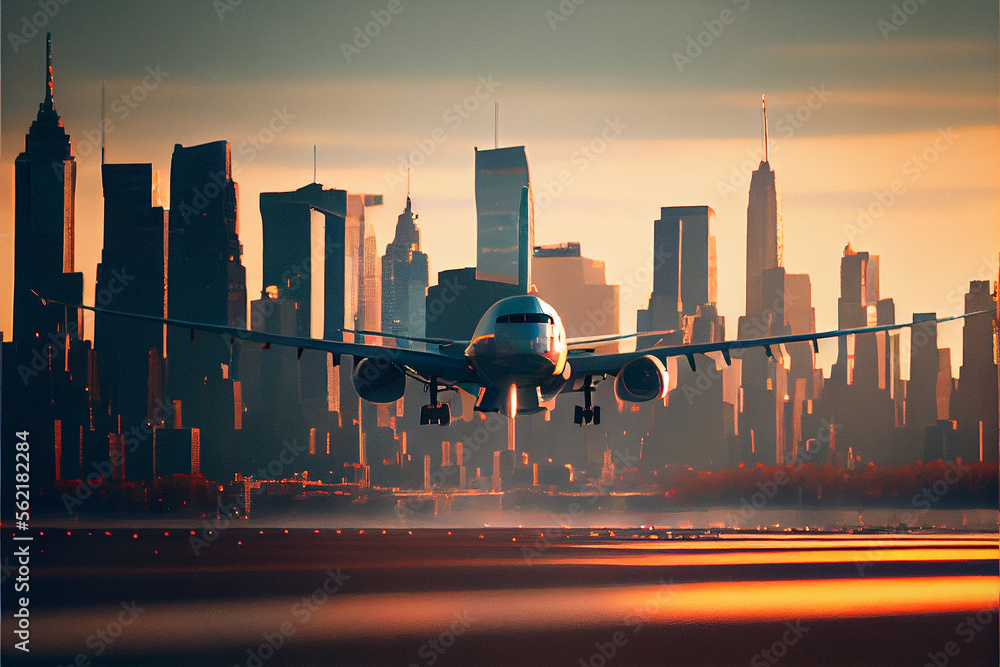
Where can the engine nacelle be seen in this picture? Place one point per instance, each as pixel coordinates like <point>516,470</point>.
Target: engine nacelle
<point>378,381</point>
<point>642,379</point>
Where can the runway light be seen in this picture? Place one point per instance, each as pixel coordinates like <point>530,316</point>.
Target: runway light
<point>338,531</point>
<point>192,532</point>
<point>107,532</point>
<point>315,532</point>
<point>166,533</point>
<point>383,532</point>
<point>286,531</point>
<point>361,532</point>
<point>240,543</point>
<point>135,536</point>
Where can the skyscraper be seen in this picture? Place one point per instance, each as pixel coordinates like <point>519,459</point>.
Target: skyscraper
<point>304,247</point>
<point>44,226</point>
<point>132,278</point>
<point>577,288</point>
<point>763,243</point>
<point>684,267</point>
<point>973,401</point>
<point>505,230</point>
<point>206,282</point>
<point>51,358</point>
<point>764,381</point>
<point>404,279</point>
<point>921,390</point>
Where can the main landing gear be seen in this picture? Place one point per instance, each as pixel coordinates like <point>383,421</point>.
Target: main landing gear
<point>435,413</point>
<point>588,413</point>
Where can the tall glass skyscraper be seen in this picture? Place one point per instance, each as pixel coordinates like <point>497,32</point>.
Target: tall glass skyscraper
<point>505,230</point>
<point>404,279</point>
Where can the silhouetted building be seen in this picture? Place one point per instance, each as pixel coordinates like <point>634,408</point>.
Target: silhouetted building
<point>505,230</point>
<point>858,397</point>
<point>684,267</point>
<point>973,401</point>
<point>44,227</point>
<point>459,300</point>
<point>206,282</point>
<point>405,280</point>
<point>131,278</point>
<point>804,381</point>
<point>55,390</point>
<point>303,256</point>
<point>921,390</point>
<point>576,287</point>
<point>177,451</point>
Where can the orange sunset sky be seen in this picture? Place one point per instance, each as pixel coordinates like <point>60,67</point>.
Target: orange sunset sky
<point>643,104</point>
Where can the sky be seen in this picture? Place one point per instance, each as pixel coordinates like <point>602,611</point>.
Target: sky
<point>884,126</point>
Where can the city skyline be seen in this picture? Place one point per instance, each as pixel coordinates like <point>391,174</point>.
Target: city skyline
<point>844,155</point>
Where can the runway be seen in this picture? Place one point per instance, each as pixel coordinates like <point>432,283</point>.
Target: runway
<point>352,596</point>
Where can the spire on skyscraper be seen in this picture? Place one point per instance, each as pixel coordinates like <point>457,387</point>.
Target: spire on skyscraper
<point>48,104</point>
<point>763,102</point>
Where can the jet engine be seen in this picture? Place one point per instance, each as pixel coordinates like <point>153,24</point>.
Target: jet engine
<point>378,381</point>
<point>642,379</point>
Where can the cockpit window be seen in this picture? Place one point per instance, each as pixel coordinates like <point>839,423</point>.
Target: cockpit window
<point>522,318</point>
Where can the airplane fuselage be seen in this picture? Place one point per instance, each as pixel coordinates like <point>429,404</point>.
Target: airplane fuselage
<point>521,342</point>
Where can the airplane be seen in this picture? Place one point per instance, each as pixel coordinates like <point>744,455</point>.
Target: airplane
<point>518,361</point>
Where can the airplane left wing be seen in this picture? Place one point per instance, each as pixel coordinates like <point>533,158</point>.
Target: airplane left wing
<point>452,369</point>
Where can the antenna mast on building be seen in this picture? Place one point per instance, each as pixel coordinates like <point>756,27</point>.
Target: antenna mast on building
<point>102,123</point>
<point>314,163</point>
<point>763,102</point>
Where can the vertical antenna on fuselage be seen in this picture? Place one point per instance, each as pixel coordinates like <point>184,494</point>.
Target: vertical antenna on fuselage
<point>496,125</point>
